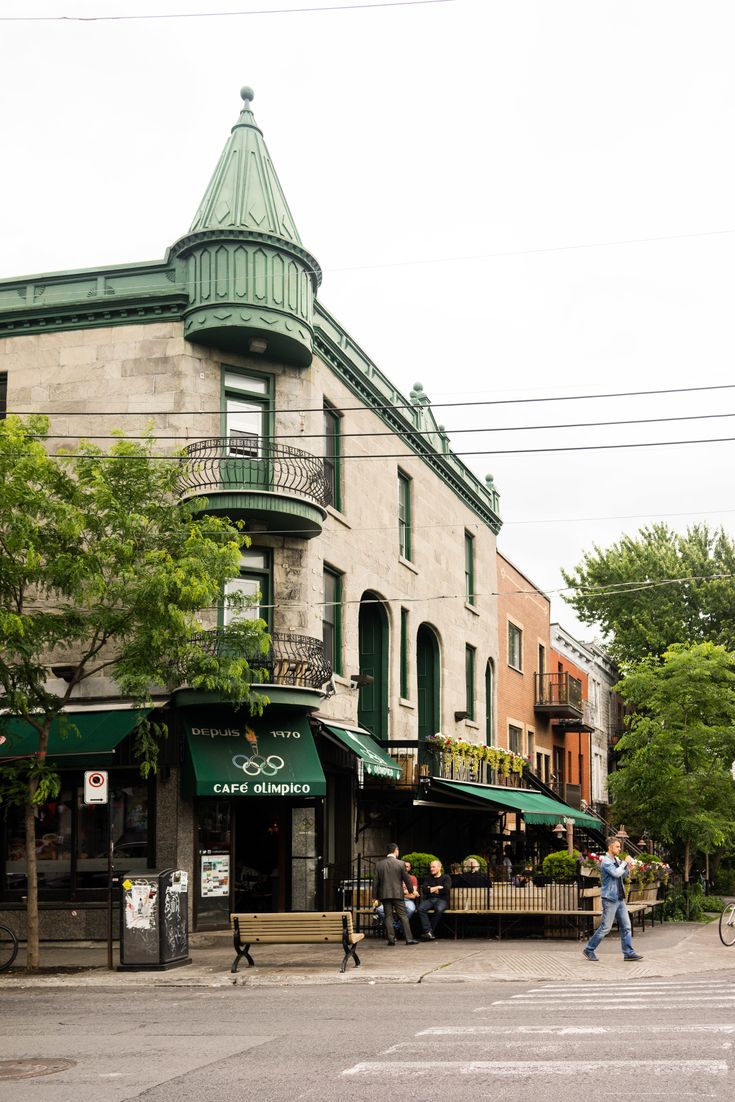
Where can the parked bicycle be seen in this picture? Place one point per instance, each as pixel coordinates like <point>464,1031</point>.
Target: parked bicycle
<point>727,924</point>
<point>8,948</point>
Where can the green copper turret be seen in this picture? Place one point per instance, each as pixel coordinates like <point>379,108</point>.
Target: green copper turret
<point>251,282</point>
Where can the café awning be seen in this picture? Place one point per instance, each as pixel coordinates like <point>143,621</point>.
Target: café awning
<point>73,733</point>
<point>535,806</point>
<point>375,761</point>
<point>234,755</point>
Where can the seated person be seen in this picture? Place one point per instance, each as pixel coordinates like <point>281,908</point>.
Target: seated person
<point>522,878</point>
<point>408,899</point>
<point>435,895</point>
<point>472,876</point>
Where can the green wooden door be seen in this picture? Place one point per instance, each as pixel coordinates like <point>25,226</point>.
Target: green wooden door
<point>427,680</point>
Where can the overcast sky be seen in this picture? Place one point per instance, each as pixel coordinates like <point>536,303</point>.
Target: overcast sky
<point>509,200</point>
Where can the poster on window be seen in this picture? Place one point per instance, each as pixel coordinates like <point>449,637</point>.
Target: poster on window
<point>215,874</point>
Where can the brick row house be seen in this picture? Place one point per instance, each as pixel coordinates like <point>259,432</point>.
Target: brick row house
<point>373,561</point>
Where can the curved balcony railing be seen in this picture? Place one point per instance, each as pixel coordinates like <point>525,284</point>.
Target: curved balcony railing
<point>293,660</point>
<point>250,463</point>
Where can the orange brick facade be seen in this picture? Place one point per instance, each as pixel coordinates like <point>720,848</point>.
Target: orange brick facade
<point>574,745</point>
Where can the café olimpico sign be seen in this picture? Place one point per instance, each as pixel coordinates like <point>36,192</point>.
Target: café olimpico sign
<point>255,760</point>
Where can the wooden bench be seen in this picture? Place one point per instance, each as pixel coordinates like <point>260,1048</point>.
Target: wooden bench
<point>506,901</point>
<point>294,928</point>
<point>636,907</point>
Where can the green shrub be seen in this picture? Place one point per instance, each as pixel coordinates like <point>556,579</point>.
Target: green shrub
<point>691,906</point>
<point>725,881</point>
<point>476,857</point>
<point>419,862</point>
<point>561,864</point>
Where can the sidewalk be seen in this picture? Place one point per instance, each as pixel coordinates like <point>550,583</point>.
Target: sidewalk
<point>676,949</point>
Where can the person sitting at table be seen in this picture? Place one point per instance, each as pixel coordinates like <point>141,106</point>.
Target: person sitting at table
<point>472,875</point>
<point>435,894</point>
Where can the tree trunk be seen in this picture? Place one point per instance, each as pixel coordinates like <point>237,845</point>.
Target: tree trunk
<point>32,925</point>
<point>687,861</point>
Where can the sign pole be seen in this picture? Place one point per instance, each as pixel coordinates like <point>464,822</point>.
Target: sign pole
<point>109,884</point>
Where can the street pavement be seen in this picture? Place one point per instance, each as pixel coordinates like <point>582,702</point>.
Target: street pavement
<point>669,950</point>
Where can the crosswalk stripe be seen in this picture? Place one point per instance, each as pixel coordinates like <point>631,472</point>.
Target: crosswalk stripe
<point>648,984</point>
<point>594,996</point>
<point>537,1067</point>
<point>567,1030</point>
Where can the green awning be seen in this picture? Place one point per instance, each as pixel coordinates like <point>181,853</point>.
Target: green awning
<point>376,762</point>
<point>534,806</point>
<point>232,755</point>
<point>72,734</point>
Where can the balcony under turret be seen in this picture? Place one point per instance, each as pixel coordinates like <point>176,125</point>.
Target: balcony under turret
<point>270,486</point>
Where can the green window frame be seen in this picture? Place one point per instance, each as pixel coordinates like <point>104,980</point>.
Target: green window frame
<point>469,680</point>
<point>469,568</point>
<point>255,579</point>
<point>333,453</point>
<point>247,403</point>
<point>332,618</point>
<point>515,646</point>
<point>404,515</point>
<point>403,672</point>
<point>489,702</point>
<point>3,394</point>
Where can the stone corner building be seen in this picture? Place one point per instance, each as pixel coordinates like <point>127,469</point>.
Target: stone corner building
<point>344,485</point>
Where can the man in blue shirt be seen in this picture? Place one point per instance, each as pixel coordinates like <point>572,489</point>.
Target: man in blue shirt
<point>613,873</point>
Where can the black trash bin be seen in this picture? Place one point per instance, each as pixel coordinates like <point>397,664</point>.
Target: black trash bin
<point>154,920</point>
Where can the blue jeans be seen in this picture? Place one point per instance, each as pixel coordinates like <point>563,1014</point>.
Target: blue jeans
<point>614,909</point>
<point>438,906</point>
<point>410,908</point>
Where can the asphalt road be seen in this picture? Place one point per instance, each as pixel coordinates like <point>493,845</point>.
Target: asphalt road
<point>641,1039</point>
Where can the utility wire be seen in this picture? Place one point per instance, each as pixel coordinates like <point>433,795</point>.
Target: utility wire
<point>216,14</point>
<point>403,456</point>
<point>388,406</point>
<point>404,432</point>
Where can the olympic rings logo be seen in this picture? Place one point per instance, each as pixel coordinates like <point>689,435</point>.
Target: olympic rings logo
<point>257,765</point>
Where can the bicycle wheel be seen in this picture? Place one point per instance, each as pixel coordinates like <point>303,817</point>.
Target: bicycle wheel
<point>8,948</point>
<point>727,925</point>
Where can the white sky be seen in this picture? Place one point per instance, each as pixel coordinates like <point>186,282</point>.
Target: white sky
<point>444,163</point>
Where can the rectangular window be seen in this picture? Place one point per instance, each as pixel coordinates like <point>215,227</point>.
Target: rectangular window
<point>404,516</point>
<point>469,568</point>
<point>332,619</point>
<point>541,658</point>
<point>332,453</point>
<point>254,582</point>
<point>515,734</point>
<point>515,646</point>
<point>404,654</point>
<point>3,393</point>
<point>529,739</point>
<point>245,419</point>
<point>469,681</point>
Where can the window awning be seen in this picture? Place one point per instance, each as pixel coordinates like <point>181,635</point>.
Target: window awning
<point>74,733</point>
<point>234,755</point>
<point>376,762</point>
<point>534,806</point>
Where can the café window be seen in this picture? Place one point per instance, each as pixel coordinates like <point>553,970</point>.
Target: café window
<point>71,838</point>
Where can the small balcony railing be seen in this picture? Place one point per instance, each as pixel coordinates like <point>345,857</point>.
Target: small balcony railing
<point>293,660</point>
<point>558,694</point>
<point>419,762</point>
<point>245,462</point>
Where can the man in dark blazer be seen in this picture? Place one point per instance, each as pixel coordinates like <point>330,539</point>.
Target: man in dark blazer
<point>388,881</point>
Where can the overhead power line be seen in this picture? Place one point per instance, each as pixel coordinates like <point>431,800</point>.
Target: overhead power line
<point>409,432</point>
<point>377,407</point>
<point>216,14</point>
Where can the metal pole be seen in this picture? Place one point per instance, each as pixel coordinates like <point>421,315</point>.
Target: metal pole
<point>109,882</point>
<point>569,823</point>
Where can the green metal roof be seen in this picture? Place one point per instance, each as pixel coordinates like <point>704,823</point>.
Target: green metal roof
<point>245,192</point>
<point>234,756</point>
<point>75,733</point>
<point>376,762</point>
<point>534,806</point>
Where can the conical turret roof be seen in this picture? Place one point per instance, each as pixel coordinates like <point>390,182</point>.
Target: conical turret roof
<point>245,192</point>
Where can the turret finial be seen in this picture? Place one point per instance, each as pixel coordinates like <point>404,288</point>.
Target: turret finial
<point>247,93</point>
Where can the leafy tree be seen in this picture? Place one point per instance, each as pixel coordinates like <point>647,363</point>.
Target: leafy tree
<point>675,774</point>
<point>611,588</point>
<point>105,569</point>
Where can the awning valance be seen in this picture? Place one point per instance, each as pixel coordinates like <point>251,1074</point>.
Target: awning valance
<point>376,762</point>
<point>534,806</point>
<point>74,733</point>
<point>234,755</point>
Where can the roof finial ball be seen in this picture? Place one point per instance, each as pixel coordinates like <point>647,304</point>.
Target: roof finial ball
<point>246,93</point>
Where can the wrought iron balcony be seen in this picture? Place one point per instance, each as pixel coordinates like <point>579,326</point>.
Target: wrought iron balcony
<point>419,762</point>
<point>283,487</point>
<point>293,660</point>
<point>558,695</point>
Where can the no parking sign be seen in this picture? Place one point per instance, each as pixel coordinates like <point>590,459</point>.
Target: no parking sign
<point>95,787</point>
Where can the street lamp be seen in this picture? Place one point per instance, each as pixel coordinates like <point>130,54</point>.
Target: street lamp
<point>565,826</point>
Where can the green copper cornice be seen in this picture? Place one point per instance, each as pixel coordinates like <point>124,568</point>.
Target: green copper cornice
<point>252,283</point>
